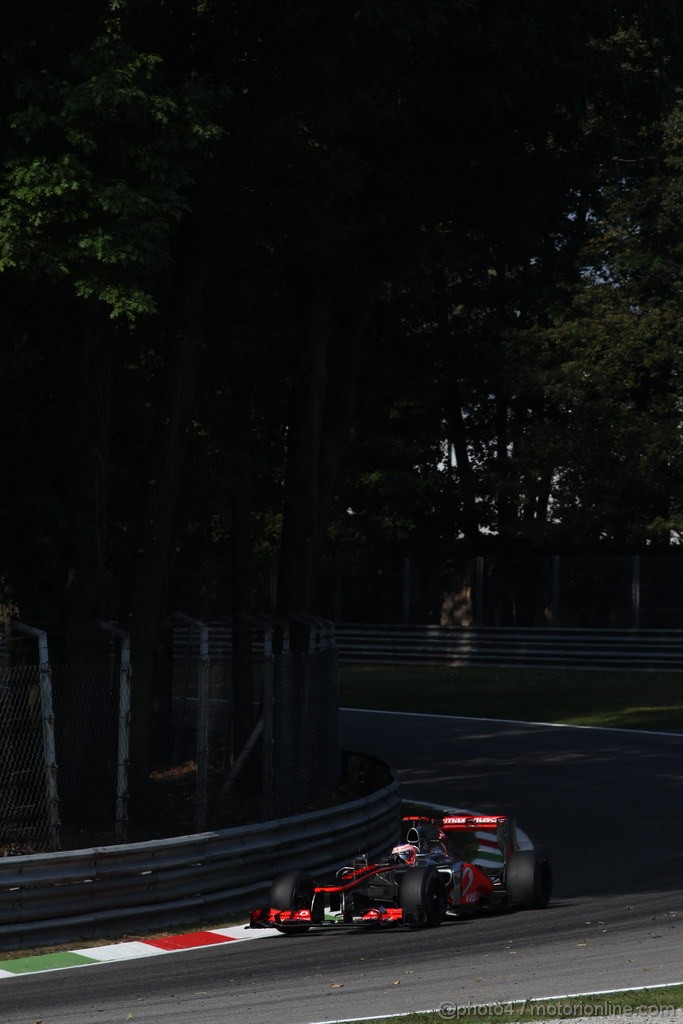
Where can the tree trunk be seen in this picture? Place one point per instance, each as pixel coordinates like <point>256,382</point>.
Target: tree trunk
<point>81,718</point>
<point>322,402</point>
<point>241,550</point>
<point>458,438</point>
<point>302,477</point>
<point>457,430</point>
<point>350,340</point>
<point>155,535</point>
<point>86,584</point>
<point>506,504</point>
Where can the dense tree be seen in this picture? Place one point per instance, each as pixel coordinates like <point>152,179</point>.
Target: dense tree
<point>101,158</point>
<point>285,277</point>
<point>477,326</point>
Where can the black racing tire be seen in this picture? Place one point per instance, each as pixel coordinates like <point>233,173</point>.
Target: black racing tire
<point>529,880</point>
<point>292,890</point>
<point>422,897</point>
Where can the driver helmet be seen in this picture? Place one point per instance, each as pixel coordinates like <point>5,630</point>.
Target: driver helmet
<point>405,852</point>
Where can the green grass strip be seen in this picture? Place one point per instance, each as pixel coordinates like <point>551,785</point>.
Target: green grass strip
<point>626,700</point>
<point>45,962</point>
<point>660,1002</point>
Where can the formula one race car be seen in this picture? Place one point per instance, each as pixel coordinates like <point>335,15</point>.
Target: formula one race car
<point>445,867</point>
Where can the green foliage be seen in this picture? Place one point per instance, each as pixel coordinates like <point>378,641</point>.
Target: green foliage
<point>102,153</point>
<point>535,340</point>
<point>610,362</point>
<point>498,190</point>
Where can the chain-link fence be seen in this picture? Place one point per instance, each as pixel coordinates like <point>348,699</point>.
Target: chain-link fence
<point>60,757</point>
<point>28,808</point>
<point>187,692</point>
<point>63,743</point>
<point>301,724</point>
<point>292,755</point>
<point>64,734</point>
<point>86,703</point>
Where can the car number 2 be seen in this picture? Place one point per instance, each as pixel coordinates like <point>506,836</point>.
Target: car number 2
<point>466,883</point>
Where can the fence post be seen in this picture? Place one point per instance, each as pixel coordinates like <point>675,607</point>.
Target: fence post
<point>48,721</point>
<point>202,721</point>
<point>479,590</point>
<point>635,593</point>
<point>407,590</point>
<point>123,747</point>
<point>332,743</point>
<point>202,730</point>
<point>555,600</point>
<point>338,585</point>
<point>267,718</point>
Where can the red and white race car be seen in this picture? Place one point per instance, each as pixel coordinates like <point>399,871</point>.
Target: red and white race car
<point>444,867</point>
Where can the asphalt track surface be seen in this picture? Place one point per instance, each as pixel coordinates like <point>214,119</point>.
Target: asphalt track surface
<point>605,805</point>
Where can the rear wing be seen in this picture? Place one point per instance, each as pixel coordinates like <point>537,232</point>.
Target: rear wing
<point>487,840</point>
<point>459,822</point>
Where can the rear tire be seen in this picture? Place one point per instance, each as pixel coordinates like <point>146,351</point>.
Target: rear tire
<point>529,880</point>
<point>423,897</point>
<point>292,890</point>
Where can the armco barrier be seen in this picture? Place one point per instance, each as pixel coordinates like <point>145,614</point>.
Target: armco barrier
<point>501,646</point>
<point>61,897</point>
<point>507,646</point>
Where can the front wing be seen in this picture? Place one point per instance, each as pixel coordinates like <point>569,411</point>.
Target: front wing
<point>267,917</point>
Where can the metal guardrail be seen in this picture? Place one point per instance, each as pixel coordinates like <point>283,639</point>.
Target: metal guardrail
<point>507,646</point>
<point>503,646</point>
<point>61,897</point>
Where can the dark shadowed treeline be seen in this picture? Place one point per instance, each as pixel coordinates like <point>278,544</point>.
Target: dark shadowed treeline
<point>281,281</point>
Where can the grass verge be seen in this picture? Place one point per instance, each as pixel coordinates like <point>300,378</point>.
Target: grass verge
<point>626,700</point>
<point>650,1003</point>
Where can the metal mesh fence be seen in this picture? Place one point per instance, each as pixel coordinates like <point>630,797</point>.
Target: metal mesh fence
<point>305,726</point>
<point>28,815</point>
<point>186,697</point>
<point>64,737</point>
<point>86,700</point>
<point>64,742</point>
<point>293,753</point>
<point>302,760</point>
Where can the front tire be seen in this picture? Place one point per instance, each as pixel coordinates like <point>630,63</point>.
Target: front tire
<point>529,880</point>
<point>423,897</point>
<point>292,890</point>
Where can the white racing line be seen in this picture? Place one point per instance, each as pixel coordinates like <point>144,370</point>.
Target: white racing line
<point>633,1018</point>
<point>514,721</point>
